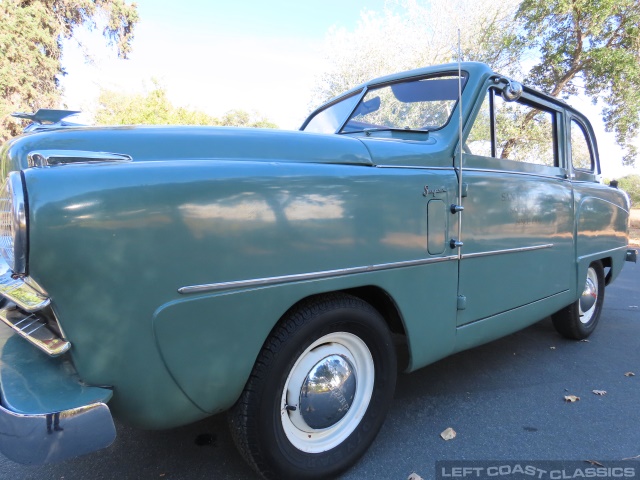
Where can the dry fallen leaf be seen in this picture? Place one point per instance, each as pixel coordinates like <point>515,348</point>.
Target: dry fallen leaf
<point>593,462</point>
<point>629,374</point>
<point>448,434</point>
<point>632,458</point>
<point>571,398</point>
<point>414,476</point>
<point>599,392</point>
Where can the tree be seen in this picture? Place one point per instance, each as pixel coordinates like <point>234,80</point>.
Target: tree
<point>31,34</point>
<point>410,34</point>
<point>155,108</point>
<point>590,45</point>
<point>631,185</point>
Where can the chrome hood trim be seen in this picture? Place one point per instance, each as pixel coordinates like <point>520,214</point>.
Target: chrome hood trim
<point>45,158</point>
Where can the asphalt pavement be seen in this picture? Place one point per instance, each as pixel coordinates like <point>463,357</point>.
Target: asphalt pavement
<point>505,400</point>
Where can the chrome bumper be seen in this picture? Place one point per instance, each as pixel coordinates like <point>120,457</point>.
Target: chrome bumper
<point>53,437</point>
<point>46,414</point>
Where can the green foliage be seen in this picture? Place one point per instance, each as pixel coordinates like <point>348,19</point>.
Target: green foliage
<point>631,185</point>
<point>241,118</point>
<point>154,108</point>
<point>31,32</point>
<point>590,44</point>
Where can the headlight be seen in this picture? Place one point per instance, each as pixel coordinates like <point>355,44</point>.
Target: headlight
<point>13,223</point>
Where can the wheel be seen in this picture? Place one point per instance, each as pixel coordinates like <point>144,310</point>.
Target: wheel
<point>580,319</point>
<point>319,390</point>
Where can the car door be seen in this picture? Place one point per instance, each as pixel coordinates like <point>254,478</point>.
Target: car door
<point>517,223</point>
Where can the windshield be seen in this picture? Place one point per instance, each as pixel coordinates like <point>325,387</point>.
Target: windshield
<point>424,104</point>
<point>331,118</point>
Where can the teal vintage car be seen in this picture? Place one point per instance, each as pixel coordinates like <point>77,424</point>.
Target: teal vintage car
<point>169,274</point>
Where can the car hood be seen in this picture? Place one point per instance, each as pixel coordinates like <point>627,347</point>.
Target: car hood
<point>190,143</point>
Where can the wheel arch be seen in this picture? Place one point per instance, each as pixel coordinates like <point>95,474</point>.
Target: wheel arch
<point>386,306</point>
<point>607,263</point>
<point>612,261</point>
<point>284,445</point>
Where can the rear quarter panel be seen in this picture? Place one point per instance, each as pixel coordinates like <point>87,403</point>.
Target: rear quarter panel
<point>602,226</point>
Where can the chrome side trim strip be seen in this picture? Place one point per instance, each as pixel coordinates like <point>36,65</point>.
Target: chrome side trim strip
<point>262,282</point>
<point>44,158</point>
<point>508,250</point>
<point>515,172</point>
<point>416,167</point>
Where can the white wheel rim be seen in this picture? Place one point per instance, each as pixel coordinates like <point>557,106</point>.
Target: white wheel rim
<point>591,288</point>
<point>301,435</point>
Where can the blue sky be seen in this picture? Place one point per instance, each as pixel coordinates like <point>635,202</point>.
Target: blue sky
<point>277,18</point>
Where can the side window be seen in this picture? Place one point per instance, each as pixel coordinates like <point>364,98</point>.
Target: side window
<point>479,139</point>
<point>520,131</point>
<point>581,156</point>
<point>524,133</point>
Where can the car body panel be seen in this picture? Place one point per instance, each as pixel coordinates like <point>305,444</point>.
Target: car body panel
<point>283,219</point>
<point>517,230</point>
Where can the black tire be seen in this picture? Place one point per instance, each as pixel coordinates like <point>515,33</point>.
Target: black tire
<point>570,322</point>
<point>264,430</point>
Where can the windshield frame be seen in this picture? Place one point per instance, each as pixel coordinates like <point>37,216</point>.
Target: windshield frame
<point>464,80</point>
<point>356,92</point>
<point>361,92</point>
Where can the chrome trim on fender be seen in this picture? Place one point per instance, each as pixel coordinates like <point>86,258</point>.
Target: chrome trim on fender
<point>603,253</point>
<point>27,313</point>
<point>37,439</point>
<point>34,328</point>
<point>45,158</point>
<point>20,293</point>
<point>267,281</point>
<point>508,250</point>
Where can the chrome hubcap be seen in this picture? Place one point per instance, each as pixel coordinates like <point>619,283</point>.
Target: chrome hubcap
<point>589,297</point>
<point>327,392</point>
